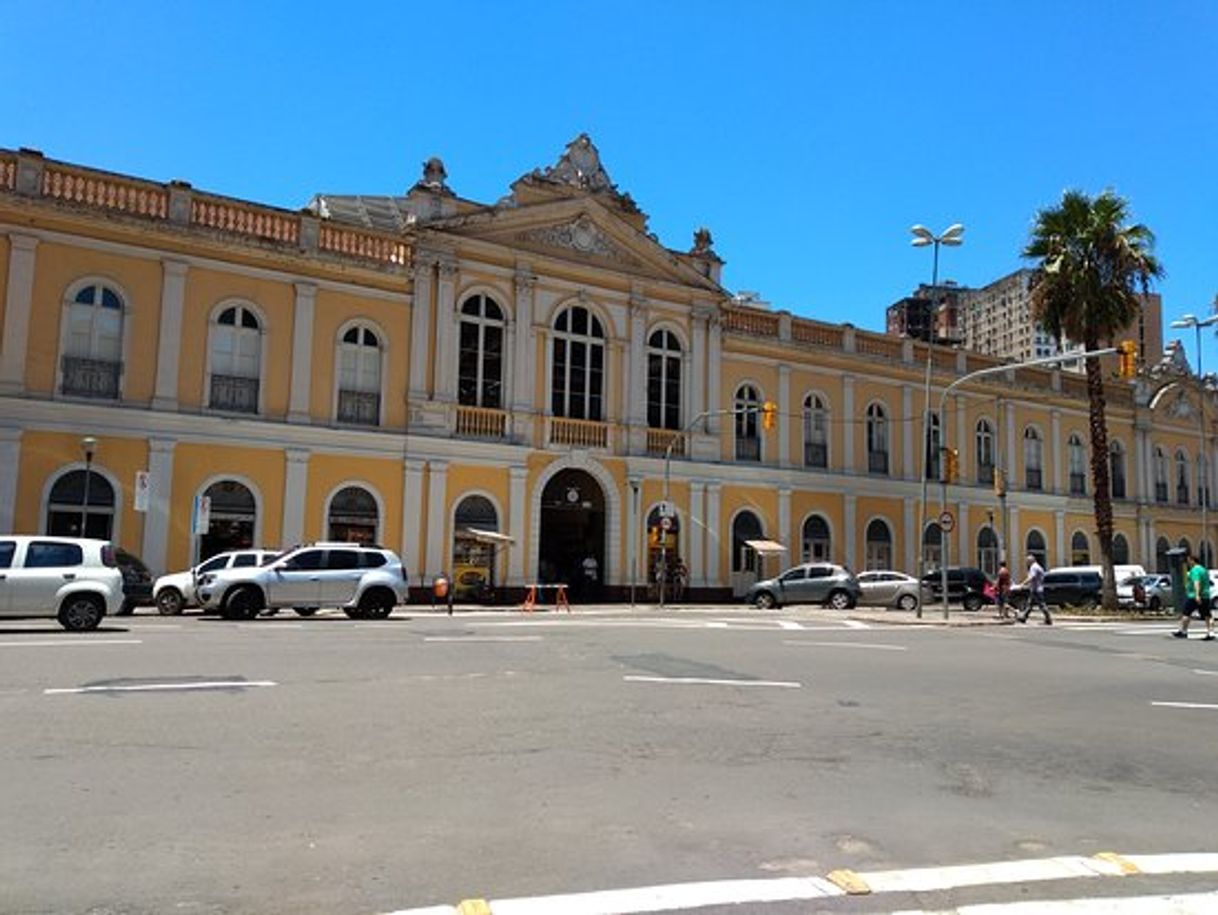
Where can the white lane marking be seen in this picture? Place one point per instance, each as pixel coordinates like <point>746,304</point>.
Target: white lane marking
<point>945,878</point>
<point>704,681</point>
<point>789,624</point>
<point>482,638</point>
<point>874,646</point>
<point>160,687</point>
<point>1190,904</point>
<point>1205,673</point>
<point>428,910</point>
<point>717,624</point>
<point>1180,863</point>
<point>1154,631</point>
<point>72,643</point>
<point>1203,705</point>
<point>856,624</point>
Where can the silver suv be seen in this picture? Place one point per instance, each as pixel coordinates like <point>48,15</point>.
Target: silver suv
<point>73,579</point>
<point>812,583</point>
<point>366,582</point>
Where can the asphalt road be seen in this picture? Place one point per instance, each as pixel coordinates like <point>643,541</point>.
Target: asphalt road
<point>325,765</point>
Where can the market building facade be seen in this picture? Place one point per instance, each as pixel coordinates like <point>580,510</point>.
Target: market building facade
<point>492,390</point>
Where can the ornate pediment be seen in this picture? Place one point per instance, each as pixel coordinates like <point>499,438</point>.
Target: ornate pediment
<point>582,236</point>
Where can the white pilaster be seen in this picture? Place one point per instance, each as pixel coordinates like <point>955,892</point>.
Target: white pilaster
<point>18,299</point>
<point>713,535</point>
<point>302,353</point>
<point>156,519</point>
<point>967,449</point>
<point>1058,448</point>
<point>1143,485</point>
<point>850,535</point>
<point>636,362</point>
<point>437,502</point>
<point>1015,549</point>
<point>698,365</point>
<point>693,531</point>
<point>412,507</point>
<point>911,431</point>
<point>849,426</point>
<point>1013,443</point>
<point>524,368</point>
<point>173,296</point>
<point>445,382</point>
<point>295,492</point>
<point>910,539</point>
<point>518,514</point>
<point>420,329</point>
<point>10,461</point>
<point>713,363</point>
<point>964,549</point>
<point>786,418</point>
<point>784,524</point>
<point>1061,549</point>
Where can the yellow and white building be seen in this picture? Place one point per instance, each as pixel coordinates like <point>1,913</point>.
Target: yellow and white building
<point>491,388</point>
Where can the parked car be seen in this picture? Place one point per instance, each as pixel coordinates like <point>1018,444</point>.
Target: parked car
<point>965,585</point>
<point>1155,591</point>
<point>175,592</point>
<point>75,580</point>
<point>366,582</point>
<point>889,589</point>
<point>1065,588</point>
<point>811,583</point>
<point>137,582</point>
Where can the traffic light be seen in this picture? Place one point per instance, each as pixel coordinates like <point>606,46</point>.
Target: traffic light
<point>769,412</point>
<point>951,465</point>
<point>1128,351</point>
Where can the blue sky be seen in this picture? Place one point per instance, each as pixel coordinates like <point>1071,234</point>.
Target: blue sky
<point>807,136</point>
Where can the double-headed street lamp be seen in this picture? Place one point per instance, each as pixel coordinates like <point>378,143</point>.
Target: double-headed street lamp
<point>88,445</point>
<point>1204,482</point>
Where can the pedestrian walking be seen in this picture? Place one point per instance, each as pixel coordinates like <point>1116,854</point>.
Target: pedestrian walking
<point>1002,589</point>
<point>1197,599</point>
<point>1035,583</point>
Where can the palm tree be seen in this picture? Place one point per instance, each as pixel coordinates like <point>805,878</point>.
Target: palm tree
<point>1091,267</point>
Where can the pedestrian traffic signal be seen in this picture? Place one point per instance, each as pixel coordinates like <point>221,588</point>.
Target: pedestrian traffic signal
<point>769,412</point>
<point>1128,351</point>
<point>951,465</point>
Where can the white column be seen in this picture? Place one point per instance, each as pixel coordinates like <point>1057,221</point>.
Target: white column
<point>1144,489</point>
<point>911,431</point>
<point>1062,548</point>
<point>636,363</point>
<point>1059,447</point>
<point>849,427</point>
<point>420,329</point>
<point>698,363</point>
<point>784,524</point>
<point>412,506</point>
<point>445,382</point>
<point>302,353</point>
<point>713,535</point>
<point>967,452</point>
<point>911,534</point>
<point>850,534</point>
<point>524,363</point>
<point>964,555</point>
<point>1147,531</point>
<point>10,460</point>
<point>295,491</point>
<point>785,417</point>
<point>156,519</point>
<point>437,495</point>
<point>712,369</point>
<point>1015,548</point>
<point>518,515</point>
<point>173,297</point>
<point>693,531</point>
<point>18,300</point>
<point>1012,444</point>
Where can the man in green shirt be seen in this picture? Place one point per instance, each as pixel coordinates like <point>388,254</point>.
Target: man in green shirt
<point>1197,599</point>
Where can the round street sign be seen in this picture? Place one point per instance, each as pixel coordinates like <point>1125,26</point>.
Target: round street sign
<point>666,523</point>
<point>947,522</point>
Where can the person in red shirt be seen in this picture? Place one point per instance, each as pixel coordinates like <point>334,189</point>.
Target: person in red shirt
<point>1002,589</point>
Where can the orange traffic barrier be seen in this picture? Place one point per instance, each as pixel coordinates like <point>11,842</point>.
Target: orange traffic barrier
<point>560,597</point>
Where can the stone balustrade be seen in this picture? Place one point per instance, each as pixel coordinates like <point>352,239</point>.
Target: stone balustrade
<point>578,433</point>
<point>362,244</point>
<point>241,218</point>
<point>659,439</point>
<point>480,422</point>
<point>8,172</point>
<point>104,191</point>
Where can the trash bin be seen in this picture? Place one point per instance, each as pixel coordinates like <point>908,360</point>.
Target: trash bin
<point>1179,576</point>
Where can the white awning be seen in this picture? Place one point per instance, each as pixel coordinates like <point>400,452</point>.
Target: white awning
<point>487,536</point>
<point>766,547</point>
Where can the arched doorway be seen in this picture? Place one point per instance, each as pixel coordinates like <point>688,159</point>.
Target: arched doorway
<point>878,546</point>
<point>572,543</point>
<point>233,516</point>
<point>353,516</point>
<point>473,552</point>
<point>987,551</point>
<point>932,546</point>
<point>816,543</point>
<point>66,504</point>
<point>745,527</point>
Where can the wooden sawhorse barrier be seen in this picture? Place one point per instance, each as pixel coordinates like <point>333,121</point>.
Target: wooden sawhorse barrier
<point>560,596</point>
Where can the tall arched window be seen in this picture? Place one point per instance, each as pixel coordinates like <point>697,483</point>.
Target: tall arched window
<point>1120,550</point>
<point>985,452</point>
<point>878,553</point>
<point>1116,469</point>
<point>748,442</point>
<point>93,350</point>
<point>1078,466</point>
<point>353,516</point>
<point>473,551</point>
<point>932,546</point>
<point>1162,565</point>
<point>1160,463</point>
<point>934,442</point>
<point>1036,546</point>
<point>578,366</point>
<point>877,439</point>
<point>1182,475</point>
<point>745,527</point>
<point>1033,459</point>
<point>816,545</point>
<point>480,354</point>
<point>987,551</point>
<point>816,432</point>
<point>236,360</point>
<point>359,377</point>
<point>663,380</point>
<point>1080,550</point>
<point>67,503</point>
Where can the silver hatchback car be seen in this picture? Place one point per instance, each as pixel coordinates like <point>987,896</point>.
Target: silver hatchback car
<point>890,589</point>
<point>812,583</point>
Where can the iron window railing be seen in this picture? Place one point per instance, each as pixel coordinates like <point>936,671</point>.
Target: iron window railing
<point>234,393</point>
<point>1078,484</point>
<point>748,449</point>
<point>877,462</point>
<point>361,408</point>
<point>985,473</point>
<point>91,377</point>
<point>816,454</point>
<point>1160,492</point>
<point>1032,477</point>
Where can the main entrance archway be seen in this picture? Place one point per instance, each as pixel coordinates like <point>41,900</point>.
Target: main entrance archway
<point>572,542</point>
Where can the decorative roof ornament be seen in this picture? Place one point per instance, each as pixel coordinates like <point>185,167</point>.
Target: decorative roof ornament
<point>703,241</point>
<point>580,167</point>
<point>434,175</point>
<point>1173,363</point>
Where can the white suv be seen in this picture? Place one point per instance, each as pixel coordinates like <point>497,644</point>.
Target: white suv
<point>366,582</point>
<point>75,580</point>
<point>176,591</point>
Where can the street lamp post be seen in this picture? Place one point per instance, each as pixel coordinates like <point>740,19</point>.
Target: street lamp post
<point>951,236</point>
<point>88,445</point>
<point>1198,323</point>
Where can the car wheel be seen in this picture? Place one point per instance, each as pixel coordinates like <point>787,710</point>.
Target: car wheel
<point>244,604</point>
<point>839,600</point>
<point>81,612</point>
<point>305,611</point>
<point>377,604</point>
<point>169,602</point>
<point>972,603</point>
<point>126,608</point>
<point>764,601</point>
<point>908,602</point>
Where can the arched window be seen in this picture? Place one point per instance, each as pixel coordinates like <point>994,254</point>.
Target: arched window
<point>877,439</point>
<point>985,452</point>
<point>353,516</point>
<point>578,365</point>
<point>1182,474</point>
<point>359,377</point>
<point>233,518</point>
<point>748,442</point>
<point>474,552</point>
<point>1116,469</point>
<point>93,349</point>
<point>1035,543</point>
<point>1120,550</point>
<point>745,527</point>
<point>1078,466</point>
<point>987,551</point>
<point>480,355</point>
<point>934,442</point>
<point>1080,550</point>
<point>1033,458</point>
<point>663,380</point>
<point>1160,475</point>
<point>1162,565</point>
<point>67,504</point>
<point>816,432</point>
<point>236,360</point>
<point>932,546</point>
<point>878,545</point>
<point>816,545</point>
